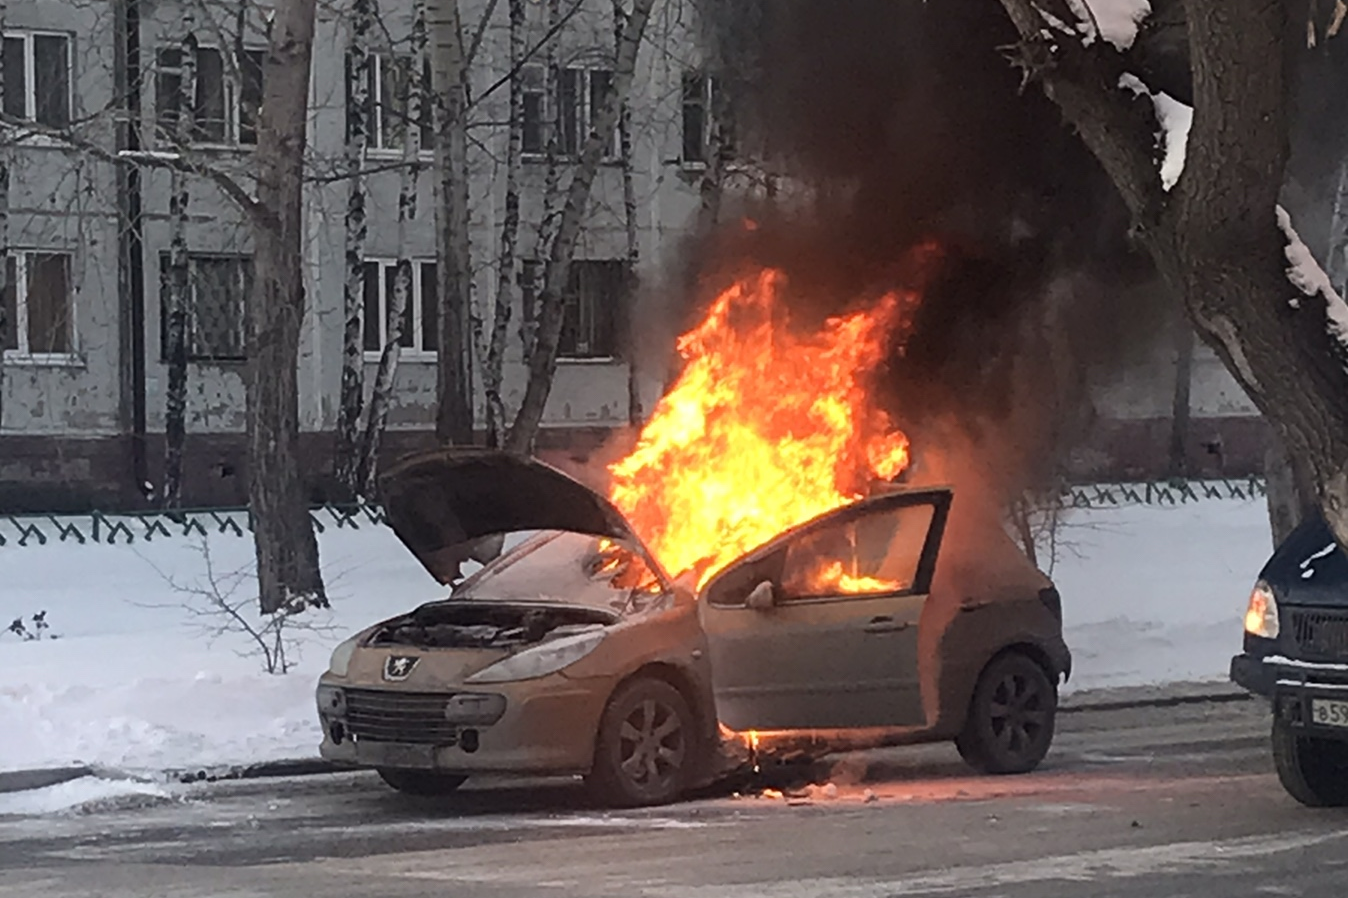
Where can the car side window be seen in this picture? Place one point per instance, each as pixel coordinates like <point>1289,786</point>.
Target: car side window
<point>876,553</point>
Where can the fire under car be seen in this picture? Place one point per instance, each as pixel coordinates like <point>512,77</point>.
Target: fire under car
<point>573,652</point>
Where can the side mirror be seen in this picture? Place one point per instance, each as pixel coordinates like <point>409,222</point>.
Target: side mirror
<point>762,597</point>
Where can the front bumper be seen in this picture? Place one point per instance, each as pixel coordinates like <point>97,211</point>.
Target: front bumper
<point>548,726</point>
<point>1293,686</point>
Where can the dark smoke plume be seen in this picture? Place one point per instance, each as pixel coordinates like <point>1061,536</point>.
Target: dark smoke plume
<point>909,125</point>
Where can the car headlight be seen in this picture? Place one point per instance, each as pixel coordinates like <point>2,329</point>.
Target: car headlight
<point>1261,617</point>
<point>540,660</point>
<point>341,658</point>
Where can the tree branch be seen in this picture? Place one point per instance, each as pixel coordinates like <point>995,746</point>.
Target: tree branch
<point>1119,128</point>
<point>168,160</point>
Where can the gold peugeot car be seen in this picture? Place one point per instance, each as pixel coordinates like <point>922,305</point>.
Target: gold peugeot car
<point>573,652</point>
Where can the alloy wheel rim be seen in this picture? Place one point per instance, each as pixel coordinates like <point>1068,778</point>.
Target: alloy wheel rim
<point>1018,714</point>
<point>651,745</point>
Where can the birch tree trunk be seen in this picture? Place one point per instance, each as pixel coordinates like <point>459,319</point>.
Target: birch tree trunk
<point>287,550</point>
<point>5,324</point>
<point>351,403</point>
<point>386,377</point>
<point>177,282</point>
<point>633,259</point>
<point>493,369</point>
<point>547,225</point>
<point>543,360</point>
<point>454,414</point>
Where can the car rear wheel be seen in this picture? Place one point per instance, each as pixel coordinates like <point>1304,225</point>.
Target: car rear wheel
<point>1313,771</point>
<point>646,746</point>
<point>421,783</point>
<point>1010,722</point>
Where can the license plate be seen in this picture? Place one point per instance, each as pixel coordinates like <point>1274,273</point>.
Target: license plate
<point>400,754</point>
<point>1329,713</point>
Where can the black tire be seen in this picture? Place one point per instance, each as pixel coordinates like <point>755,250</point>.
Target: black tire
<point>422,783</point>
<point>1011,715</point>
<point>1313,771</point>
<point>646,747</point>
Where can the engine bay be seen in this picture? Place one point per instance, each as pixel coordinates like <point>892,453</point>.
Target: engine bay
<point>458,624</point>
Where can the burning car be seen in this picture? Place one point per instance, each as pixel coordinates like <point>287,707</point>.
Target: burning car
<point>574,652</point>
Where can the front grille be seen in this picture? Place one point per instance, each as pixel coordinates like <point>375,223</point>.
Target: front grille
<point>382,716</point>
<point>1323,634</point>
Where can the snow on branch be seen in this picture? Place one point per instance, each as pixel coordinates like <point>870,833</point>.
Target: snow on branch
<point>1117,21</point>
<point>1175,120</point>
<point>1306,275</point>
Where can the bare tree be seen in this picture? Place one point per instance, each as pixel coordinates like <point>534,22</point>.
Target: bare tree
<point>410,79</point>
<point>547,224</point>
<point>454,414</point>
<point>1218,237</point>
<point>352,400</point>
<point>556,273</point>
<point>177,277</point>
<point>287,550</point>
<point>492,348</point>
<point>633,257</point>
<point>5,324</point>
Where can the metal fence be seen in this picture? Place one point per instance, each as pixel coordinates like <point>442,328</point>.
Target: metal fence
<point>1168,492</point>
<point>130,527</point>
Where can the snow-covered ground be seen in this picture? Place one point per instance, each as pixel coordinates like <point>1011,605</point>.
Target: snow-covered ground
<point>1150,595</point>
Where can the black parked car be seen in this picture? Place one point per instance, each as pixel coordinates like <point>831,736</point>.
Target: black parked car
<point>1296,655</point>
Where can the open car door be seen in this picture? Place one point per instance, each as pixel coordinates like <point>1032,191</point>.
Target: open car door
<point>818,629</point>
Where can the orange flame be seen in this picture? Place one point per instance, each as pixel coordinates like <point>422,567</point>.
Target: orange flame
<point>764,429</point>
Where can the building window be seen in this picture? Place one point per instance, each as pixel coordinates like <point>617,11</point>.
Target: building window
<point>577,101</point>
<point>420,321</point>
<point>701,99</point>
<point>217,306</point>
<point>226,102</point>
<point>388,111</point>
<point>593,307</point>
<point>37,78</point>
<point>534,88</point>
<point>39,305</point>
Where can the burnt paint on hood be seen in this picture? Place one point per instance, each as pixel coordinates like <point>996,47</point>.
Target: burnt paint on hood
<point>443,505</point>
<point>1309,568</point>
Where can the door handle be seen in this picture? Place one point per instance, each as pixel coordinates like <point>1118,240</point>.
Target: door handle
<point>886,625</point>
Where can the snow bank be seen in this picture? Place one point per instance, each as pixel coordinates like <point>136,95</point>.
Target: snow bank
<point>1149,595</point>
<point>134,683</point>
<point>85,793</point>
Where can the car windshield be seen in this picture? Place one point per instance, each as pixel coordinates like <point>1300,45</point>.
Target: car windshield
<point>567,568</point>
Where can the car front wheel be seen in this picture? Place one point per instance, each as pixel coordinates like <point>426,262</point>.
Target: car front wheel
<point>1010,722</point>
<point>1313,771</point>
<point>646,746</point>
<point>421,783</point>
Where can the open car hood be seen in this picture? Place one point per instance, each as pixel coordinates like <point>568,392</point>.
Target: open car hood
<point>446,505</point>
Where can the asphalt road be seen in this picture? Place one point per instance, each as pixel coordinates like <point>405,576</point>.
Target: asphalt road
<point>1137,803</point>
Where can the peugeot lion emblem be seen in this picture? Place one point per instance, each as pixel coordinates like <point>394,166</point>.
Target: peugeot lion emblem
<point>399,667</point>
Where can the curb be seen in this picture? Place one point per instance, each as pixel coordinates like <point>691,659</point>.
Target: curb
<point>265,770</point>
<point>1129,697</point>
<point>1095,700</point>
<point>24,780</point>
